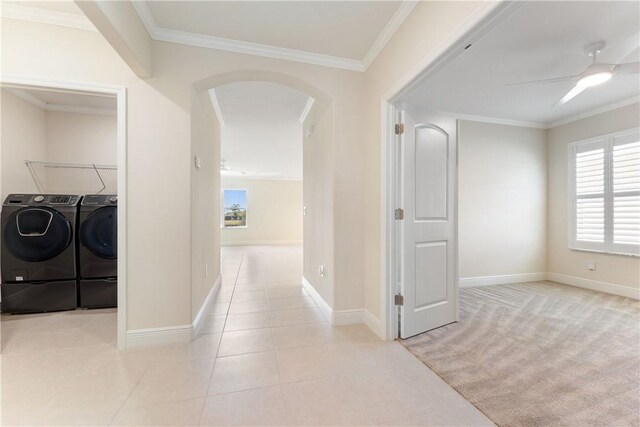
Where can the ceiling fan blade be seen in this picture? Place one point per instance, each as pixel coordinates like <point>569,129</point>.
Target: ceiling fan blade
<point>571,94</point>
<point>554,80</point>
<point>628,68</point>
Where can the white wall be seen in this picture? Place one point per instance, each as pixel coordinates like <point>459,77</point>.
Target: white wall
<point>502,200</point>
<point>274,213</point>
<point>571,265</point>
<point>318,199</point>
<point>23,138</point>
<point>31,133</point>
<point>81,138</point>
<point>205,181</point>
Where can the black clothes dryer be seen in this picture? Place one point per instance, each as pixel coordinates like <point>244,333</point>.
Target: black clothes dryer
<point>38,259</point>
<point>98,251</point>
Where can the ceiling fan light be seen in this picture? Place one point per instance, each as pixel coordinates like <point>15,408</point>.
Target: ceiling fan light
<point>594,79</point>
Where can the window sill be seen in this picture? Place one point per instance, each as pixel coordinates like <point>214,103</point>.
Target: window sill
<point>231,228</point>
<point>605,252</point>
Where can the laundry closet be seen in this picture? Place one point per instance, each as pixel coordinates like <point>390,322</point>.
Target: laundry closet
<point>59,202</point>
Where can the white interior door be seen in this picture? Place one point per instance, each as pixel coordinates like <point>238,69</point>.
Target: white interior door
<point>429,276</point>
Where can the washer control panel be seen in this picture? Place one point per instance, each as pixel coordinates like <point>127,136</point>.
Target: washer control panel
<point>41,200</point>
<point>100,200</point>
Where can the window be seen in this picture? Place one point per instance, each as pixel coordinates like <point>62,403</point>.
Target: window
<point>234,204</point>
<point>605,193</point>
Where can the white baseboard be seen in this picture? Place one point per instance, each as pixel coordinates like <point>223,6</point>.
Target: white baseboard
<point>344,317</point>
<point>173,334</point>
<point>468,282</point>
<point>262,242</point>
<point>159,336</point>
<point>374,324</point>
<point>347,317</point>
<point>326,309</point>
<point>594,285</point>
<point>197,322</point>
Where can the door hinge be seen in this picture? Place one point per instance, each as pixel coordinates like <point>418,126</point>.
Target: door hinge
<point>399,299</point>
<point>399,213</point>
<point>399,128</point>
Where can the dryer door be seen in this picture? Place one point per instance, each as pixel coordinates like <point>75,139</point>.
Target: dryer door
<point>99,232</point>
<point>36,234</point>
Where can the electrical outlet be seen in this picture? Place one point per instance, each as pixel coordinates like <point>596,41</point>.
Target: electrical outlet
<point>304,211</point>
<point>591,265</point>
<point>321,270</point>
<point>206,270</point>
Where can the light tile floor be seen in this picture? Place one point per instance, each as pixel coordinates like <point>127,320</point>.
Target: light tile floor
<point>266,356</point>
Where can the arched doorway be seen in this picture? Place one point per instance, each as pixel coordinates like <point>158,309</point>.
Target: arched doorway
<point>316,140</point>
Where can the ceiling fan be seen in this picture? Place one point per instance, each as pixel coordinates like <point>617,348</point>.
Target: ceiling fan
<point>594,75</point>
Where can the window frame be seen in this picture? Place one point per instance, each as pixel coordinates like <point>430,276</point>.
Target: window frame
<point>246,222</point>
<point>607,142</point>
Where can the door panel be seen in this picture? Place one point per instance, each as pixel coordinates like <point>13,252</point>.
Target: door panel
<point>429,241</point>
<point>431,153</point>
<point>431,272</point>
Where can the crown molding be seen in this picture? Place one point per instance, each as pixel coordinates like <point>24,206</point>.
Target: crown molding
<point>81,109</point>
<point>548,125</point>
<point>248,48</point>
<point>216,106</point>
<point>587,114</point>
<point>306,110</point>
<point>496,120</point>
<point>61,107</point>
<point>29,98</point>
<point>403,11</point>
<point>45,16</point>
<point>268,51</point>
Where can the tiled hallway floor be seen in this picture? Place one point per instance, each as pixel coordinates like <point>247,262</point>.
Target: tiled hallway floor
<point>266,356</point>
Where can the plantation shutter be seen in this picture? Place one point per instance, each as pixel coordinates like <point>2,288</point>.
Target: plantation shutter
<point>625,159</point>
<point>605,192</point>
<point>590,194</point>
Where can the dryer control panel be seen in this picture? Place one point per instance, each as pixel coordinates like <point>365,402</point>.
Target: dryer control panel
<point>41,200</point>
<point>100,200</point>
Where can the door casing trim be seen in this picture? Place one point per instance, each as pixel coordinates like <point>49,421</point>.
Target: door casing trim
<point>120,92</point>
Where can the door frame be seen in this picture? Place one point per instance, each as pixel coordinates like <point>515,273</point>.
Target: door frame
<point>120,92</point>
<point>472,29</point>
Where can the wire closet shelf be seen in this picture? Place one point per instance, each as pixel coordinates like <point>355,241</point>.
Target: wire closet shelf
<point>73,178</point>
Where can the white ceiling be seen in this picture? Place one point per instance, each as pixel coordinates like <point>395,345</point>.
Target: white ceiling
<point>540,40</point>
<point>339,28</point>
<point>262,134</point>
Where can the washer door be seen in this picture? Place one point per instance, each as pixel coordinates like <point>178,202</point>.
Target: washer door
<point>99,232</point>
<point>36,234</point>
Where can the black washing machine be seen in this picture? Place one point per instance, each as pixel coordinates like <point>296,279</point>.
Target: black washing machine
<point>98,251</point>
<point>38,259</point>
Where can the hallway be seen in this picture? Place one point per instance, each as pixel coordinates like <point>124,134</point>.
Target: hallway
<point>266,356</point>
<point>280,358</point>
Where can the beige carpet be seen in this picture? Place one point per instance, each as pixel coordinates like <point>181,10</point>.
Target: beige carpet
<point>541,354</point>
